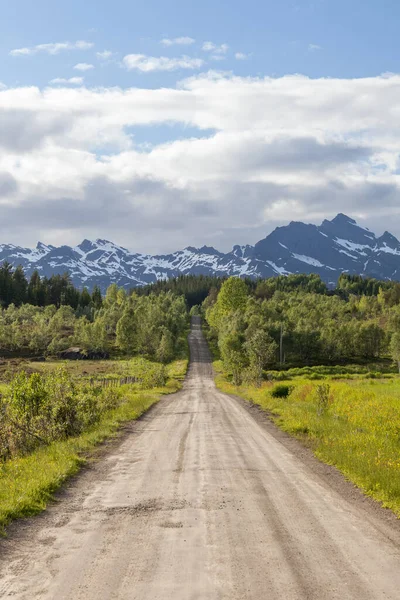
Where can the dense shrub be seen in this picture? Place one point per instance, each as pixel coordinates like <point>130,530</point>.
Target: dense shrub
<point>281,391</point>
<point>147,373</point>
<point>281,376</point>
<point>39,409</point>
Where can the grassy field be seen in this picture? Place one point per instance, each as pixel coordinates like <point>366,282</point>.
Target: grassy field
<point>28,482</point>
<point>353,424</point>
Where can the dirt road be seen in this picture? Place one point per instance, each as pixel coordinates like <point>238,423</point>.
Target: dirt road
<point>201,500</point>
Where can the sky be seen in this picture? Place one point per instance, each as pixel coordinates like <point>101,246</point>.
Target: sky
<point>159,125</point>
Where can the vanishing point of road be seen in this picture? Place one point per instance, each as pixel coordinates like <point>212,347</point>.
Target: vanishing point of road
<point>204,499</point>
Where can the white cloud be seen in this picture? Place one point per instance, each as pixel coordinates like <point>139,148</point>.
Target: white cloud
<point>70,81</point>
<point>314,47</point>
<point>105,55</point>
<point>147,64</point>
<point>179,41</point>
<point>208,46</point>
<point>242,56</point>
<point>217,57</point>
<point>83,67</point>
<point>54,48</point>
<point>215,48</point>
<point>278,148</point>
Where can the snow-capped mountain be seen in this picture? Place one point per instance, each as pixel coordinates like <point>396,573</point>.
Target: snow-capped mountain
<point>334,247</point>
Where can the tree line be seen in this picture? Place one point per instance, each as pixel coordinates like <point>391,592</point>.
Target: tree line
<point>57,290</point>
<point>153,326</point>
<point>195,288</point>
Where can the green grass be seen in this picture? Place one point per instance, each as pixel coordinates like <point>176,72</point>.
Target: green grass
<point>28,483</point>
<point>177,369</point>
<point>372,371</point>
<point>358,432</point>
<point>92,369</point>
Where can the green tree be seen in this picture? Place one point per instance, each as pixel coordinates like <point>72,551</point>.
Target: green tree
<point>233,355</point>
<point>85,298</point>
<point>97,297</point>
<point>261,350</point>
<point>97,336</point>
<point>165,350</point>
<point>126,332</point>
<point>6,284</point>
<point>111,295</point>
<point>231,298</point>
<point>395,348</point>
<point>20,286</point>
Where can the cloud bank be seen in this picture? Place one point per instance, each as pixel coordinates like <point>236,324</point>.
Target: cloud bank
<point>259,152</point>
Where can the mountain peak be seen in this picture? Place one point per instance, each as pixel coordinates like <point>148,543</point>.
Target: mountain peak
<point>388,238</point>
<point>341,219</point>
<point>110,246</point>
<point>209,250</point>
<point>345,228</point>
<point>85,246</point>
<point>100,242</point>
<point>44,247</point>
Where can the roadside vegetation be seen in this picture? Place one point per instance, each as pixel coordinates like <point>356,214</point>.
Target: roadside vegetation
<point>353,425</point>
<point>52,425</point>
<point>323,362</point>
<point>324,366</point>
<point>53,412</point>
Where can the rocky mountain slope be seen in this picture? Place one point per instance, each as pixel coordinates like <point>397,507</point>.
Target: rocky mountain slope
<point>334,247</point>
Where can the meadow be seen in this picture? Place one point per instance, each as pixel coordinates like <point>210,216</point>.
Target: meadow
<point>352,423</point>
<point>54,414</point>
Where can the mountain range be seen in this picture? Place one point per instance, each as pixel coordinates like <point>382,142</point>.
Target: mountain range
<point>334,247</point>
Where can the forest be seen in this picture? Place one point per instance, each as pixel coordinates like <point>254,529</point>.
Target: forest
<point>151,326</point>
<point>295,321</point>
<point>281,322</point>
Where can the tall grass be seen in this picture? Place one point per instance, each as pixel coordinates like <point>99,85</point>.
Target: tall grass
<point>27,483</point>
<point>353,425</point>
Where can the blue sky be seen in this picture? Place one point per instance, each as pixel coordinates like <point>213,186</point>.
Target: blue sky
<point>217,87</point>
<point>357,38</point>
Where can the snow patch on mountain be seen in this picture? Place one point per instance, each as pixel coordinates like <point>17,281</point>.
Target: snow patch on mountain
<point>278,270</point>
<point>388,250</point>
<point>359,248</point>
<point>307,259</point>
